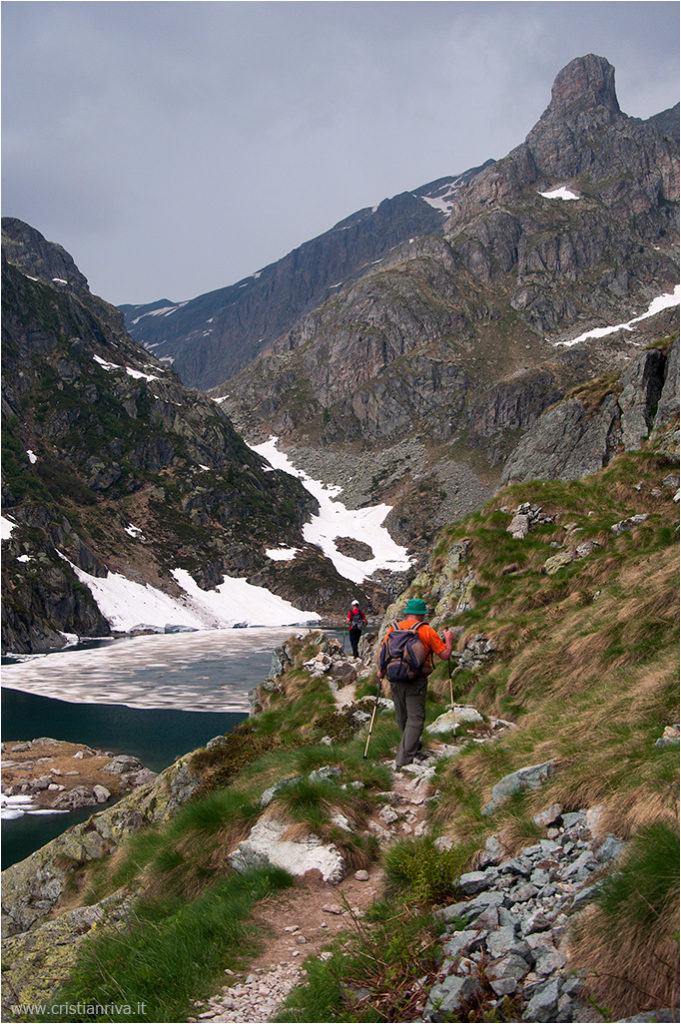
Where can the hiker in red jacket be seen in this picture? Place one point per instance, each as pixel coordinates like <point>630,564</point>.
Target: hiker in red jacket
<point>357,620</point>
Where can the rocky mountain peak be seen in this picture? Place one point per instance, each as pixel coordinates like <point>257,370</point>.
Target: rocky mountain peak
<point>28,250</point>
<point>584,85</point>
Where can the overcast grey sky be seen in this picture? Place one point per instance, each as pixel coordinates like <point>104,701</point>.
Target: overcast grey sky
<point>173,148</point>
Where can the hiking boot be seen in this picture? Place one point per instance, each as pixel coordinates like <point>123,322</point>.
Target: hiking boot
<point>422,755</point>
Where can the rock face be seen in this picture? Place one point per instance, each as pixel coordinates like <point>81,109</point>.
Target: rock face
<point>580,436</point>
<point>455,340</point>
<point>110,463</point>
<point>213,336</point>
<point>37,961</point>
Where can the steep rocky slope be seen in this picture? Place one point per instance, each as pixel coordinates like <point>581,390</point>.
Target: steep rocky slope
<point>581,434</point>
<point>110,465</point>
<point>213,336</point>
<point>490,859</point>
<point>458,341</point>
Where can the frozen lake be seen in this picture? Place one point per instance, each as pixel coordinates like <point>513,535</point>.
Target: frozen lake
<point>155,697</point>
<point>202,671</point>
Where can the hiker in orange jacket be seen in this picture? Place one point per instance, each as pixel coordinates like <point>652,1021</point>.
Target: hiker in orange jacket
<point>409,697</point>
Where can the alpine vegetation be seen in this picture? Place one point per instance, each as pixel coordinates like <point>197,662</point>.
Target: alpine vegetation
<point>462,424</point>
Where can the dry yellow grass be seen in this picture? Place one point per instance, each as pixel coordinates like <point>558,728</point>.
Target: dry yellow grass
<point>639,971</point>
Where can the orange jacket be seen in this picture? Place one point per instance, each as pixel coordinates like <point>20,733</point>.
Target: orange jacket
<point>429,638</point>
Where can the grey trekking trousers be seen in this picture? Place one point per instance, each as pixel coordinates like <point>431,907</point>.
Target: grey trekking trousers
<point>410,710</point>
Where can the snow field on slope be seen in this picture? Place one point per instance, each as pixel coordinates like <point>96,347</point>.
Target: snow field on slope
<point>334,520</point>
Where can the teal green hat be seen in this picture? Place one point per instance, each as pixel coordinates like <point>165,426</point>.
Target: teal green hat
<point>416,606</point>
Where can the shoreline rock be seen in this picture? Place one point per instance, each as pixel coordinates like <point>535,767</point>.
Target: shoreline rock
<point>44,774</point>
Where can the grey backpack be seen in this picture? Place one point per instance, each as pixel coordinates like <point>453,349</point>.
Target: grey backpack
<point>403,655</point>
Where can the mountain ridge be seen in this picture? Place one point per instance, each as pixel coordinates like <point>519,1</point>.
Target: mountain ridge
<point>113,470</point>
<point>464,338</point>
<point>212,336</point>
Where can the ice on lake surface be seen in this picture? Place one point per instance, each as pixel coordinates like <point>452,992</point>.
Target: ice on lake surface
<point>202,671</point>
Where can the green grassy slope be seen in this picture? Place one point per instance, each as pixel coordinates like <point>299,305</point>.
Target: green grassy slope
<point>586,666</point>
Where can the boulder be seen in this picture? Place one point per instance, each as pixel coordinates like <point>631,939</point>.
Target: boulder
<point>447,998</point>
<point>450,721</point>
<point>557,562</point>
<point>123,763</point>
<point>80,796</point>
<point>525,778</point>
<point>625,525</point>
<point>519,526</point>
<point>549,816</point>
<point>266,845</point>
<point>544,1003</point>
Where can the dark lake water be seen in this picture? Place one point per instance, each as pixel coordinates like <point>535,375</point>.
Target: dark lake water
<point>156,697</point>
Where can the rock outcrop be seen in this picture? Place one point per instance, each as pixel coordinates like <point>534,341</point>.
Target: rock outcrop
<point>456,340</point>
<point>582,434</point>
<point>33,887</point>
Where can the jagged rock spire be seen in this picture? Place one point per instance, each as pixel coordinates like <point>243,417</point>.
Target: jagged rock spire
<point>584,84</point>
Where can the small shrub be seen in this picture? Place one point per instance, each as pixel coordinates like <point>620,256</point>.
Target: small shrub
<point>423,874</point>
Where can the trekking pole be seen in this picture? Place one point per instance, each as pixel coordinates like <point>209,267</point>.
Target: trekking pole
<point>373,716</point>
<point>451,684</point>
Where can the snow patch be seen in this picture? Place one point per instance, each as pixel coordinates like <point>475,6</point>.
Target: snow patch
<point>656,306</point>
<point>32,457</point>
<point>238,601</point>
<point>562,192</point>
<point>16,806</point>
<point>161,311</point>
<point>6,527</point>
<point>443,202</point>
<point>137,374</point>
<point>334,520</point>
<point>282,554</point>
<point>129,606</point>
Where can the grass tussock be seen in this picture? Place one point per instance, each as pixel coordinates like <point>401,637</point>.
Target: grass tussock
<point>374,973</point>
<point>421,873</point>
<point>171,954</point>
<point>628,942</point>
<point>181,859</point>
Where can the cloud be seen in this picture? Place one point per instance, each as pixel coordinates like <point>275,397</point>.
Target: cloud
<point>173,148</point>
